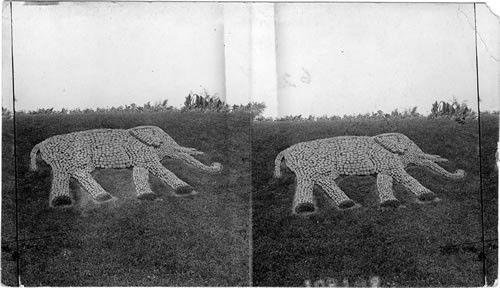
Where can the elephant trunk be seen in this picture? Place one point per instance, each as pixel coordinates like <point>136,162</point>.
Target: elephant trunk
<point>213,168</point>
<point>459,174</point>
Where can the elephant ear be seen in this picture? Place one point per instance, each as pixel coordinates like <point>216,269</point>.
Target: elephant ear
<point>147,135</point>
<point>391,142</point>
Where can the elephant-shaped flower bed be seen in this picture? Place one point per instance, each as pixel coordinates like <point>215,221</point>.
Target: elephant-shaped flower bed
<point>386,155</point>
<point>77,154</point>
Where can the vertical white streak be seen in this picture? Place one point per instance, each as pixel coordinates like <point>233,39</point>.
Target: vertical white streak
<point>7,100</point>
<point>263,54</point>
<point>237,45</point>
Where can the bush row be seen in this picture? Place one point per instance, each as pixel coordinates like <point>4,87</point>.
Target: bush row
<point>211,103</point>
<point>193,103</point>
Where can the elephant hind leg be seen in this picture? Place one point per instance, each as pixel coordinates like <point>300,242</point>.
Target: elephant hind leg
<point>303,198</point>
<point>141,181</point>
<point>335,193</point>
<point>59,192</point>
<point>423,194</point>
<point>180,187</point>
<point>385,192</point>
<point>93,188</point>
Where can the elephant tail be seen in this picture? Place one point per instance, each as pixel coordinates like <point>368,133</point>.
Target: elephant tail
<point>33,154</point>
<point>277,164</point>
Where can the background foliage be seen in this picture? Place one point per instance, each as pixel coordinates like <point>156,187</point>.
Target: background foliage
<point>193,103</point>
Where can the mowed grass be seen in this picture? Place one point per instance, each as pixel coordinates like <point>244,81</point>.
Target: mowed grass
<point>196,240</point>
<point>436,244</point>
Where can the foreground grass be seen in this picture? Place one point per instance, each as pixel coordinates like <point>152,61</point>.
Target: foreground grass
<point>189,241</point>
<point>437,244</point>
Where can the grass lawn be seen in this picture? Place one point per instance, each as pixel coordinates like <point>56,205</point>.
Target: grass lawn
<point>175,241</point>
<point>205,239</point>
<point>436,244</point>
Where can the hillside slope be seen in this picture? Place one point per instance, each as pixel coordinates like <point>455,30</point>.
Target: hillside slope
<point>437,244</point>
<point>190,241</point>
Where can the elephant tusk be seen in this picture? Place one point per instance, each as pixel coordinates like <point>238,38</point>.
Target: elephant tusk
<point>434,158</point>
<point>190,151</point>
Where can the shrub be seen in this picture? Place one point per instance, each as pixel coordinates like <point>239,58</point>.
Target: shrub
<point>205,103</point>
<point>6,113</point>
<point>453,111</point>
<point>193,103</point>
<point>196,102</point>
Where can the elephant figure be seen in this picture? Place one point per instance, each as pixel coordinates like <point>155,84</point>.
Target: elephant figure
<point>386,155</point>
<point>77,154</point>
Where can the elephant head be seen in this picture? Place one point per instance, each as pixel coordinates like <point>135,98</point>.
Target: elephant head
<point>165,146</point>
<point>410,153</point>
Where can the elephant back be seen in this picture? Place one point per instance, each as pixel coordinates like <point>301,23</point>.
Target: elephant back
<point>66,152</point>
<point>108,148</point>
<point>345,155</point>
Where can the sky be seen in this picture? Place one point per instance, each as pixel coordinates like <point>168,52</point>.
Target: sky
<point>309,59</point>
<point>109,54</point>
<point>367,57</point>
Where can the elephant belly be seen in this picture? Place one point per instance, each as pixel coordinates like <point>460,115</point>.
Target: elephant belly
<point>341,155</point>
<point>110,156</point>
<point>353,163</point>
<point>350,155</point>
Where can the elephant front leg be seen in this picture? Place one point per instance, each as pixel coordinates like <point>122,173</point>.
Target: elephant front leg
<point>180,187</point>
<point>59,192</point>
<point>141,181</point>
<point>423,194</point>
<point>385,192</point>
<point>93,188</point>
<point>335,193</point>
<point>303,199</point>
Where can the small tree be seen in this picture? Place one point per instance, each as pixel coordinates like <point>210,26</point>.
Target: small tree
<point>196,102</point>
<point>453,111</point>
<point>6,113</point>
